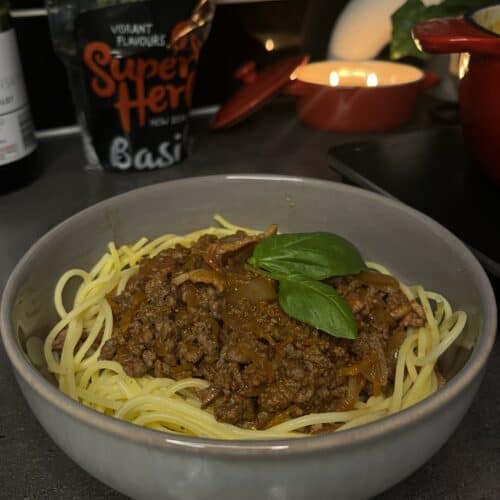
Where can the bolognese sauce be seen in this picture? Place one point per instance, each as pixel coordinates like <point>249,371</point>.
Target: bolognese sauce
<point>203,312</point>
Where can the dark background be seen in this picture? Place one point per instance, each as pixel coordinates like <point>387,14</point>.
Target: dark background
<point>238,34</point>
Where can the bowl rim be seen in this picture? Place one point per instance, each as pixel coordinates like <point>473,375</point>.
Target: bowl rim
<point>374,62</point>
<point>254,448</point>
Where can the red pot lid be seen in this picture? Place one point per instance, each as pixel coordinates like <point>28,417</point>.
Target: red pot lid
<point>257,90</point>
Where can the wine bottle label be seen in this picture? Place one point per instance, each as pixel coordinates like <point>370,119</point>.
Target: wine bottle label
<point>17,135</point>
<point>136,89</point>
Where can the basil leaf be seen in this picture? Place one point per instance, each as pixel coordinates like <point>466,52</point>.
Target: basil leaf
<point>318,305</point>
<point>314,255</point>
<point>403,21</point>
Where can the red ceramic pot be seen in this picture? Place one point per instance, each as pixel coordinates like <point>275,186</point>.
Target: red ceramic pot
<point>476,35</point>
<point>340,96</point>
<point>358,96</point>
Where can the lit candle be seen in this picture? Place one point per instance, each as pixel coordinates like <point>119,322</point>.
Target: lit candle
<point>357,73</point>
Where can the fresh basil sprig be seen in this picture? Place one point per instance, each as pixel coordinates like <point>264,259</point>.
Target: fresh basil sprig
<point>314,255</point>
<point>299,262</point>
<point>318,305</point>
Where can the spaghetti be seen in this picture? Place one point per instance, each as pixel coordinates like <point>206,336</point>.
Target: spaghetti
<point>168,405</point>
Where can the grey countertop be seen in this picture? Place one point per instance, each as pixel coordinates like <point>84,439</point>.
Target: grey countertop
<point>32,467</point>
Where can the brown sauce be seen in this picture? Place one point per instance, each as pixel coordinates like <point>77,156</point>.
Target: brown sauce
<point>201,312</point>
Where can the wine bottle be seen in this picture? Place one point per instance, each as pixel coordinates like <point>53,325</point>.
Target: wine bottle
<point>18,164</point>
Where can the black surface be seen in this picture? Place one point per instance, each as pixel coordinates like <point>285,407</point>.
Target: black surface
<point>32,467</point>
<point>430,171</point>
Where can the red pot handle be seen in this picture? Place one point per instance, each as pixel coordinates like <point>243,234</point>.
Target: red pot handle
<point>454,34</point>
<point>430,80</point>
<point>247,72</point>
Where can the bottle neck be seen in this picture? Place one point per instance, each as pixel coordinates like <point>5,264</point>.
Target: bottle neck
<point>4,16</point>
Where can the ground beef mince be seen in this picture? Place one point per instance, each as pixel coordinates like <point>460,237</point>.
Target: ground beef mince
<point>201,312</point>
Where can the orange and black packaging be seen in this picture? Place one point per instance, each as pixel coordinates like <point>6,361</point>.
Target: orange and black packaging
<point>136,88</point>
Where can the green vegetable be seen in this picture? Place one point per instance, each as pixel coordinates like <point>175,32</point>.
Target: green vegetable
<point>299,262</point>
<point>318,305</point>
<point>414,12</point>
<point>314,255</point>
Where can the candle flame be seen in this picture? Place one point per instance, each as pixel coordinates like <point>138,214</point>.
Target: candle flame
<point>372,80</point>
<point>347,75</point>
<point>334,79</point>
